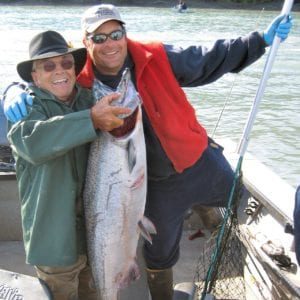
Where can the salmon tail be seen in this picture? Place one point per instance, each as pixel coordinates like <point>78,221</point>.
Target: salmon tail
<point>147,228</point>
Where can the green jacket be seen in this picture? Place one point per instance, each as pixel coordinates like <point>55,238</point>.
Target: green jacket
<point>51,150</point>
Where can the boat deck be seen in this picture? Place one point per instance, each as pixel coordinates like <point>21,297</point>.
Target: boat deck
<point>264,278</point>
<point>12,255</point>
<point>12,258</point>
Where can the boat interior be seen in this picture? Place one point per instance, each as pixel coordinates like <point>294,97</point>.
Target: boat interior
<point>265,260</point>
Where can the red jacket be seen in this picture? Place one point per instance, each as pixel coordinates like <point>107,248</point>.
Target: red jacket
<point>171,115</point>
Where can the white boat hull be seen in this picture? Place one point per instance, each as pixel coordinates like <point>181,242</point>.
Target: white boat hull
<point>271,269</point>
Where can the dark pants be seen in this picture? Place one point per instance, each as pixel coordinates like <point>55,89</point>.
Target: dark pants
<point>297,224</point>
<point>208,182</point>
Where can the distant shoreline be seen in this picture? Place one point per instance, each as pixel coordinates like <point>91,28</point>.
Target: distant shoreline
<point>275,5</point>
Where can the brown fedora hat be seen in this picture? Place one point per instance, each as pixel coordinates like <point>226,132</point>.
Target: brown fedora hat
<point>49,44</point>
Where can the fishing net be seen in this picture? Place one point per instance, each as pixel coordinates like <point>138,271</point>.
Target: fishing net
<point>220,267</point>
<point>228,280</point>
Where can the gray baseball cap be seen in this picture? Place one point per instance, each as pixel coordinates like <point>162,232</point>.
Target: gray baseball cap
<point>96,15</point>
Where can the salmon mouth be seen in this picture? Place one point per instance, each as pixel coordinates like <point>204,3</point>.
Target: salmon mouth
<point>127,127</point>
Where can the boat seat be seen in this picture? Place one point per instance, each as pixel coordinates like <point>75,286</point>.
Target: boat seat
<point>19,286</point>
<point>3,127</point>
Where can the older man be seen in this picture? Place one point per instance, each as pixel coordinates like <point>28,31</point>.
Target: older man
<point>51,147</point>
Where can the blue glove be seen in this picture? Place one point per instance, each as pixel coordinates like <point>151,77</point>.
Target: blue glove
<point>280,29</point>
<point>15,108</point>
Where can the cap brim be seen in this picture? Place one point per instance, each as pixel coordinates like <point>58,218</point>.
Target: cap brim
<point>24,68</point>
<point>96,25</point>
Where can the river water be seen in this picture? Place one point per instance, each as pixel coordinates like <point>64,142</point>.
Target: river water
<point>275,138</point>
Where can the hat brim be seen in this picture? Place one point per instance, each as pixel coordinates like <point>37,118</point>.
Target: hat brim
<point>96,25</point>
<point>24,68</point>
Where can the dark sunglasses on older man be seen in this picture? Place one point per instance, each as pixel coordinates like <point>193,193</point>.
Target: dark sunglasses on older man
<point>50,66</point>
<point>100,38</point>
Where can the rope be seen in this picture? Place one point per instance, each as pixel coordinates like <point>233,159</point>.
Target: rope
<point>228,98</point>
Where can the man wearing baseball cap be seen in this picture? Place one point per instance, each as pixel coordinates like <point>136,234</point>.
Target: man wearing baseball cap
<point>185,167</point>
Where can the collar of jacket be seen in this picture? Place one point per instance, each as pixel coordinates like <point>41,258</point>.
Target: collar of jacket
<point>86,77</point>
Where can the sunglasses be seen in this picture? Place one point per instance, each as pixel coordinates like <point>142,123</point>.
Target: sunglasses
<point>50,66</point>
<point>100,38</point>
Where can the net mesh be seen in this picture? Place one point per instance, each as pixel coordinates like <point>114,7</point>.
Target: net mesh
<point>228,280</point>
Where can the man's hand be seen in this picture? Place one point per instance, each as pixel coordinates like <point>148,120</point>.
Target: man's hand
<point>280,26</point>
<point>105,116</point>
<point>15,104</point>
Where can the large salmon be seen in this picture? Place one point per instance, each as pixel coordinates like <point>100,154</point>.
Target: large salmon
<point>114,200</point>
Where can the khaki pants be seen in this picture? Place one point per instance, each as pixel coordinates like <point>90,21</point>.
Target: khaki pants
<point>69,283</point>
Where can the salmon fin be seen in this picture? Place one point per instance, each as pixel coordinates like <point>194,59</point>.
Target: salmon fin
<point>146,228</point>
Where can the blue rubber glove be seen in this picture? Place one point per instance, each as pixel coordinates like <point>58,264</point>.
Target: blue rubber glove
<point>15,108</point>
<point>281,29</point>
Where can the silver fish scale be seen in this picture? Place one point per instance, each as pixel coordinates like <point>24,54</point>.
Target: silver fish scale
<point>114,200</point>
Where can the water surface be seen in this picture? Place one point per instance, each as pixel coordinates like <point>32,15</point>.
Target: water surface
<point>275,138</point>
